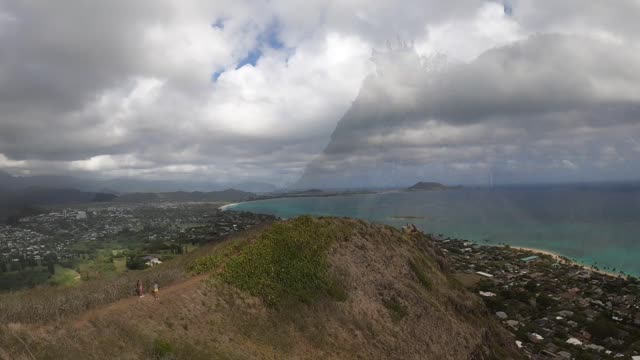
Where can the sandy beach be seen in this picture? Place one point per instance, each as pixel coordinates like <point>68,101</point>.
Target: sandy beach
<point>564,259</point>
<point>227,206</point>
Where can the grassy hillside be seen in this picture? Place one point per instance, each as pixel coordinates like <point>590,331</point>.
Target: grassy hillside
<point>301,289</point>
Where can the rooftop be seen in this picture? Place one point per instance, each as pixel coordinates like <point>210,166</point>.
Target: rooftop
<point>529,258</point>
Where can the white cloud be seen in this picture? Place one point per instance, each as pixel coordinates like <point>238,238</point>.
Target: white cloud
<point>568,164</point>
<point>125,88</point>
<point>8,163</point>
<point>465,39</point>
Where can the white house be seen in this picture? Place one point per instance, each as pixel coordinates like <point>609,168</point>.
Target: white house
<point>151,260</point>
<point>574,341</point>
<point>482,273</point>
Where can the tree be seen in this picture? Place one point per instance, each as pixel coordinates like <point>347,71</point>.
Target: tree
<point>135,263</point>
<point>531,286</point>
<point>544,301</point>
<point>51,268</point>
<point>601,328</point>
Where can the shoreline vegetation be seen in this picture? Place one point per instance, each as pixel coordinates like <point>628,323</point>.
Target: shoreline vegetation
<point>408,217</point>
<point>561,258</point>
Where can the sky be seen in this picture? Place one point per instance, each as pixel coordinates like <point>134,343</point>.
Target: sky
<point>462,91</point>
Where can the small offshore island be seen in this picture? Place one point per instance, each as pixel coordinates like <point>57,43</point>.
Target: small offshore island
<point>431,186</point>
<point>419,186</point>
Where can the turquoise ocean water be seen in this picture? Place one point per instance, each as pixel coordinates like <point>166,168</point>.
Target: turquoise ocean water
<point>593,225</point>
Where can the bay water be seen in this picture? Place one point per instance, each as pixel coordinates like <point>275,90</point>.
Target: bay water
<point>590,224</point>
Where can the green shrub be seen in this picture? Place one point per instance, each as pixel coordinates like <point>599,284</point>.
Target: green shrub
<point>602,328</point>
<point>418,268</point>
<point>336,291</point>
<point>544,301</point>
<point>205,264</point>
<point>288,262</point>
<point>396,309</point>
<point>531,286</point>
<point>162,349</point>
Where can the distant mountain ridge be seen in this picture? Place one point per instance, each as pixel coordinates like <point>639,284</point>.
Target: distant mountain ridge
<point>125,185</point>
<point>12,201</point>
<point>225,195</point>
<point>431,186</point>
<point>10,182</point>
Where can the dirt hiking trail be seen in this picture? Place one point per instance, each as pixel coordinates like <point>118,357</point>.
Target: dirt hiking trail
<point>167,293</point>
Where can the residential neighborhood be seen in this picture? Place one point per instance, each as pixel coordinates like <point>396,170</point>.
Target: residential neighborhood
<point>556,308</point>
<point>140,233</point>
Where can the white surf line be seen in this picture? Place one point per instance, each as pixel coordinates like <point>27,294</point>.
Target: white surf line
<point>227,206</point>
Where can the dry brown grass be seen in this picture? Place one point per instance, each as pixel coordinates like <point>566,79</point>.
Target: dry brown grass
<point>48,304</point>
<point>213,320</point>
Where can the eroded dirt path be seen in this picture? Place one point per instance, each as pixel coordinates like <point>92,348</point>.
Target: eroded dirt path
<point>169,292</point>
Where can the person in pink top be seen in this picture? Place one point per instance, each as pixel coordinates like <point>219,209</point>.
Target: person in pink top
<point>139,289</point>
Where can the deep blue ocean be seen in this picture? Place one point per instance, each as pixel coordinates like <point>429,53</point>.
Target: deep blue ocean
<point>591,224</point>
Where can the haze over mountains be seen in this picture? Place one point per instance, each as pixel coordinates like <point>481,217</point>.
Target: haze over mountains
<point>124,185</point>
<point>18,193</point>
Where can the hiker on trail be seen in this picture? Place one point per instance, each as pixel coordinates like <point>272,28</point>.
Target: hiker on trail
<point>139,289</point>
<point>155,291</point>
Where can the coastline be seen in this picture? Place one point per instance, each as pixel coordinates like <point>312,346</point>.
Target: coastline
<point>227,206</point>
<point>560,258</point>
<point>556,256</point>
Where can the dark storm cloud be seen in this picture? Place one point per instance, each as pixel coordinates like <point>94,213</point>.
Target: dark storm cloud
<point>60,54</point>
<point>580,16</point>
<point>546,74</point>
<point>549,103</point>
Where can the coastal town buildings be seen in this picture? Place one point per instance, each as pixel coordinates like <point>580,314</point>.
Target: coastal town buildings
<point>74,234</point>
<point>555,308</point>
